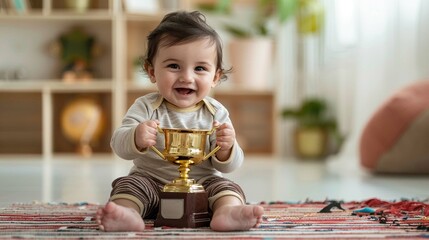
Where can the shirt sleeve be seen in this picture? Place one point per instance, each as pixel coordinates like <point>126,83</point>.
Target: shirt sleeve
<point>122,141</point>
<point>234,162</point>
<point>236,158</point>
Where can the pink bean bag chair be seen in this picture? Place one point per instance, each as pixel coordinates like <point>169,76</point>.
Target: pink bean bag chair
<point>396,138</point>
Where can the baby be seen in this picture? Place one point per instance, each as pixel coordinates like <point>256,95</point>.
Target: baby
<point>184,60</point>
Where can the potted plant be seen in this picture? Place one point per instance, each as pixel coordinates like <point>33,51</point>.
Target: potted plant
<point>261,16</point>
<point>316,134</point>
<point>251,25</point>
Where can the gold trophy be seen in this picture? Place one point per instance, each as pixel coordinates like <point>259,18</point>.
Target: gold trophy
<point>184,203</point>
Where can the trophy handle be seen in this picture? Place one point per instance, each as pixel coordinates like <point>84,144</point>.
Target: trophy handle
<point>159,129</point>
<point>157,152</point>
<point>211,153</point>
<point>212,130</point>
<point>154,148</point>
<point>216,148</point>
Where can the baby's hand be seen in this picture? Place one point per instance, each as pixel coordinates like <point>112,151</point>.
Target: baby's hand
<point>145,135</point>
<point>225,138</point>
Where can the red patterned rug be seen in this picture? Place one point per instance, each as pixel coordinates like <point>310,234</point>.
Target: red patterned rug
<point>373,218</point>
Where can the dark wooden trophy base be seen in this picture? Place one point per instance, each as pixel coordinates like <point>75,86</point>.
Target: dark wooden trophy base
<point>183,210</point>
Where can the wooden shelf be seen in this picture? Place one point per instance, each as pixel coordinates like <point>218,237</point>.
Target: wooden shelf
<point>56,86</point>
<point>20,124</point>
<point>60,15</point>
<point>33,105</point>
<point>253,118</point>
<point>132,17</point>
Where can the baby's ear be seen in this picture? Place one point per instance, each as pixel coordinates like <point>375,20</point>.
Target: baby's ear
<point>217,77</point>
<point>150,71</point>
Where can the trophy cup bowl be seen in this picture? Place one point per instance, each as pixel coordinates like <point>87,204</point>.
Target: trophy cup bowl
<point>185,144</point>
<point>184,203</point>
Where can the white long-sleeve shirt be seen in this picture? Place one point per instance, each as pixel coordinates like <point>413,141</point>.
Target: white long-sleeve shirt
<point>152,106</point>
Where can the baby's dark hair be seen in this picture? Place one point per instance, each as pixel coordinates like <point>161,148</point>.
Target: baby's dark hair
<point>181,27</point>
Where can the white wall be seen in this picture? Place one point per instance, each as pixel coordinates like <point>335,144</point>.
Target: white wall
<point>366,50</point>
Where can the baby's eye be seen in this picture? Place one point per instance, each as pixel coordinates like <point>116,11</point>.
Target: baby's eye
<point>173,65</point>
<point>199,68</point>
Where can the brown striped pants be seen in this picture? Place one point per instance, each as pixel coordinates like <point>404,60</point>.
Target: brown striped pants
<point>144,191</point>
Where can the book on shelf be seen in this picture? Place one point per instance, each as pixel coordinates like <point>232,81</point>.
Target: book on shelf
<point>14,6</point>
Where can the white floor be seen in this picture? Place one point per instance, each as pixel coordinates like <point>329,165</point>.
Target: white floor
<point>71,179</point>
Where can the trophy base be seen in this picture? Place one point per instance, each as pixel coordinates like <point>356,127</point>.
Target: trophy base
<point>183,210</point>
<point>183,185</point>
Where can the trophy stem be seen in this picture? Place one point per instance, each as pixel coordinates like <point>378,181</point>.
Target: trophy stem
<point>184,168</point>
<point>183,183</point>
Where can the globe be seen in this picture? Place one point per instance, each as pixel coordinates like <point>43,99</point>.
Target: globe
<point>83,122</point>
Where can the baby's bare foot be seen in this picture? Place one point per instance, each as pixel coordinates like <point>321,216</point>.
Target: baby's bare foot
<point>236,218</point>
<point>117,218</point>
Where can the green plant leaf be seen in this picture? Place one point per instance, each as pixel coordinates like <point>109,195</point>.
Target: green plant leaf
<point>265,11</point>
<point>237,31</point>
<point>223,6</point>
<point>313,112</point>
<point>286,8</point>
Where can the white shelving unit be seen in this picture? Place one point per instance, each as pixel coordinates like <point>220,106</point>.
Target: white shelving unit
<point>30,107</point>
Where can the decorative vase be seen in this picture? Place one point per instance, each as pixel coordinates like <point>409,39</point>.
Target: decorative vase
<point>251,60</point>
<point>310,143</point>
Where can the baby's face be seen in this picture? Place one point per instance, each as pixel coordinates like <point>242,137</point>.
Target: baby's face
<point>185,73</point>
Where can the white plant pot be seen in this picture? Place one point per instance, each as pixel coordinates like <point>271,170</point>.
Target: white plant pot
<point>251,60</point>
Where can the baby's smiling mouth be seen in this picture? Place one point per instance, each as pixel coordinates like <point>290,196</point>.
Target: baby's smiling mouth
<point>184,91</point>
